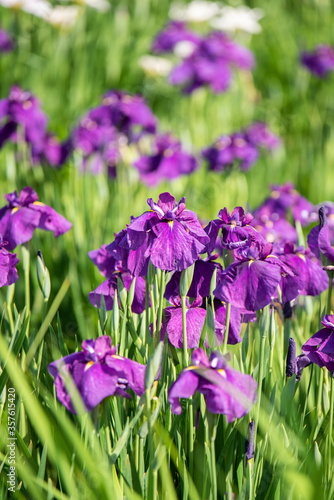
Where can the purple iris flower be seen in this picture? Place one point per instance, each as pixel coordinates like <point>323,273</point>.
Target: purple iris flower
<point>105,262</point>
<point>97,372</point>
<point>295,365</point>
<point>321,237</point>
<point>251,282</point>
<point>209,64</point>
<point>172,34</point>
<point>168,161</point>
<point>7,43</point>
<point>225,390</point>
<point>306,266</point>
<point>271,224</point>
<point>169,234</point>
<point>21,110</point>
<point>236,231</point>
<point>230,149</point>
<point>320,347</point>
<point>8,261</point>
<point>135,260</point>
<point>200,285</point>
<point>24,213</point>
<point>108,287</point>
<point>261,136</point>
<point>195,317</point>
<point>320,62</point>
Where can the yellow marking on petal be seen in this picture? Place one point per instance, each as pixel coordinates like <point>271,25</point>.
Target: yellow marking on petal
<point>239,142</point>
<point>271,255</point>
<point>88,365</point>
<point>27,105</point>
<point>250,262</point>
<point>38,203</point>
<point>117,356</point>
<point>171,222</point>
<point>168,153</point>
<point>233,224</point>
<point>15,209</point>
<point>275,195</point>
<point>191,367</point>
<point>301,256</point>
<point>222,372</point>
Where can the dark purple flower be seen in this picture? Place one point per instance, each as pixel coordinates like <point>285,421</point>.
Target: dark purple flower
<point>167,161</point>
<point>97,372</point>
<point>306,266</point>
<point>108,287</point>
<point>195,317</point>
<point>249,444</point>
<point>320,62</point>
<point>321,237</point>
<point>104,261</point>
<point>320,347</point>
<point>169,234</point>
<point>21,110</point>
<point>236,231</point>
<point>251,282</point>
<point>8,261</point>
<point>7,43</point>
<point>173,33</point>
<point>130,257</point>
<point>24,213</point>
<point>229,149</point>
<point>261,136</point>
<point>295,365</point>
<point>225,390</point>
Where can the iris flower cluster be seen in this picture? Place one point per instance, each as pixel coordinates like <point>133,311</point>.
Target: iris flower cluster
<point>206,60</point>
<point>18,220</point>
<point>241,148</point>
<point>258,273</point>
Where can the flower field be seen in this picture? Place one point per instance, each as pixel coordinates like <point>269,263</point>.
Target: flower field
<point>166,258</point>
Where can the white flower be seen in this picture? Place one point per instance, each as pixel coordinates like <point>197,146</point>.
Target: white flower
<point>100,5</point>
<point>39,8</point>
<point>238,18</point>
<point>155,66</point>
<point>184,49</point>
<point>196,11</point>
<point>64,17</point>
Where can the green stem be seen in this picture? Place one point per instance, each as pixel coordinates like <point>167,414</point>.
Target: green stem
<point>184,330</point>
<point>147,318</point>
<point>227,326</point>
<point>153,317</point>
<point>26,269</point>
<point>191,438</point>
<point>161,303</point>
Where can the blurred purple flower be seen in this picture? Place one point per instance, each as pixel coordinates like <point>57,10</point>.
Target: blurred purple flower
<point>320,347</point>
<point>167,161</point>
<point>261,136</point>
<point>21,110</point>
<point>225,390</point>
<point>320,62</point>
<point>8,261</point>
<point>52,151</point>
<point>7,43</point>
<point>24,213</point>
<point>229,149</point>
<point>209,64</point>
<point>172,34</point>
<point>97,372</point>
